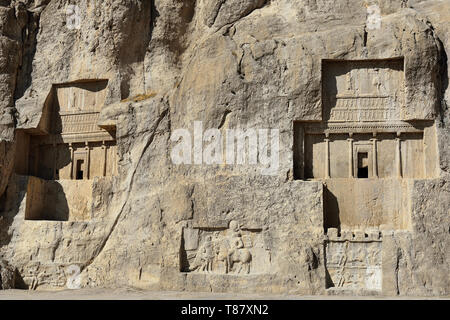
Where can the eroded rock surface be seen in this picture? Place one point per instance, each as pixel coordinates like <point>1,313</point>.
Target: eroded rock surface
<point>93,94</point>
<point>7,276</point>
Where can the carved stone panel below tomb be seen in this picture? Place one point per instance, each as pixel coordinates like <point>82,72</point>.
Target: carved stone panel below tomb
<point>354,260</point>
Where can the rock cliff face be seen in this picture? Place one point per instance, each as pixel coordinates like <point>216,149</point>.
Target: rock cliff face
<point>115,162</point>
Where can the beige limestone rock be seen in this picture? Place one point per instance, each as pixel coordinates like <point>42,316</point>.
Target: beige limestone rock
<point>7,276</point>
<point>146,222</point>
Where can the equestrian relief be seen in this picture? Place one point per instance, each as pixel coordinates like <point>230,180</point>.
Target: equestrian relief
<point>230,251</point>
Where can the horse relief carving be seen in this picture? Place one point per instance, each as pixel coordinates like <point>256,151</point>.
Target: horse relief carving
<point>228,251</point>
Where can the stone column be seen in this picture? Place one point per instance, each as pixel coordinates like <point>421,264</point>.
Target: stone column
<point>104,158</point>
<point>303,136</point>
<point>71,161</point>
<point>351,172</point>
<point>374,156</point>
<point>327,156</point>
<point>88,161</point>
<point>399,155</point>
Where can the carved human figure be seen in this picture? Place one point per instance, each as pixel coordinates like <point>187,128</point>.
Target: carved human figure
<point>237,252</point>
<point>222,249</point>
<point>372,257</point>
<point>227,250</point>
<point>208,254</point>
<point>235,237</point>
<point>341,272</point>
<point>33,276</point>
<point>349,79</point>
<point>340,278</point>
<point>205,257</point>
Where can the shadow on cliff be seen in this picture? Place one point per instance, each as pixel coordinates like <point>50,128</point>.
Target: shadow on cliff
<point>331,212</point>
<point>52,207</point>
<point>7,217</point>
<point>29,36</point>
<point>444,85</point>
<point>9,208</point>
<point>137,21</point>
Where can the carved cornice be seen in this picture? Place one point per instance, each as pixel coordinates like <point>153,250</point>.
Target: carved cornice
<point>365,127</point>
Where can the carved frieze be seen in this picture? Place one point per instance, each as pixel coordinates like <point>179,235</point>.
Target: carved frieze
<point>80,122</point>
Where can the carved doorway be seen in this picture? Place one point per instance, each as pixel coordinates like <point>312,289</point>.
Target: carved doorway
<point>363,160</point>
<point>80,170</point>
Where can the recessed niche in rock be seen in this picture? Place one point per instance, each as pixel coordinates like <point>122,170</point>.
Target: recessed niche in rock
<point>71,146</point>
<point>224,251</point>
<point>400,151</point>
<point>68,146</point>
<point>63,200</point>
<point>363,150</point>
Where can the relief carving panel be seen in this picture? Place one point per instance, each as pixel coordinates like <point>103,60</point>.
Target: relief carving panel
<point>80,123</point>
<point>358,91</point>
<point>77,107</point>
<point>225,251</point>
<point>81,96</point>
<point>354,260</point>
